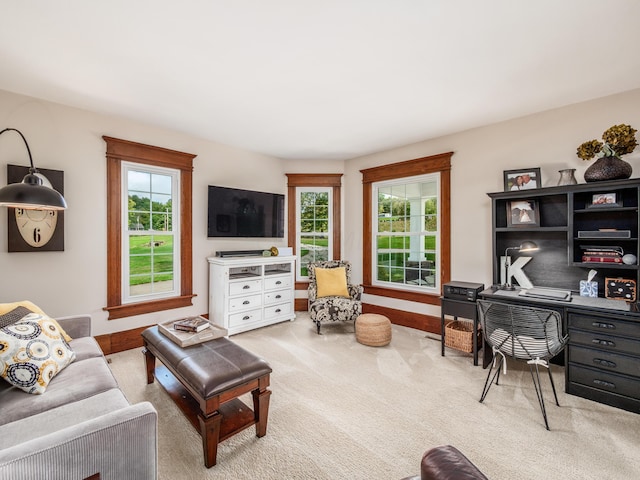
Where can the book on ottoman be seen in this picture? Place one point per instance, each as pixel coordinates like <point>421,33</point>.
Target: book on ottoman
<point>191,324</point>
<point>186,339</point>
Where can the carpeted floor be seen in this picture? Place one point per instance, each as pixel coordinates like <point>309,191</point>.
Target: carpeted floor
<point>342,410</point>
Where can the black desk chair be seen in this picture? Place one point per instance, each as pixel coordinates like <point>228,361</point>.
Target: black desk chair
<point>525,333</point>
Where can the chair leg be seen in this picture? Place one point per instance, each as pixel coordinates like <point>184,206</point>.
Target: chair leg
<point>538,387</point>
<point>553,386</point>
<point>489,381</point>
<point>318,327</point>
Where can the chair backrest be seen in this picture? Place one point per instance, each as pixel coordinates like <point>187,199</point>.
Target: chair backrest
<point>311,268</point>
<point>521,331</point>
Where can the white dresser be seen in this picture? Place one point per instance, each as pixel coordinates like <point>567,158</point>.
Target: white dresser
<point>251,292</point>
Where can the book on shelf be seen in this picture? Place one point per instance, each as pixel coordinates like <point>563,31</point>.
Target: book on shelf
<point>601,259</point>
<point>602,253</point>
<point>191,324</point>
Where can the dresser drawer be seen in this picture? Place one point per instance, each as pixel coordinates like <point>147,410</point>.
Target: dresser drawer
<point>244,318</point>
<point>277,310</point>
<point>606,381</point>
<point>244,287</point>
<point>244,303</point>
<point>605,360</point>
<point>277,296</point>
<point>601,341</point>
<point>272,283</point>
<point>605,325</point>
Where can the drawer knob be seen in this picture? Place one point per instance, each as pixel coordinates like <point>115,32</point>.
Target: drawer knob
<point>246,317</point>
<point>278,296</point>
<point>246,302</point>
<point>246,287</point>
<point>278,282</point>
<point>606,343</point>
<point>604,363</point>
<point>602,383</point>
<point>610,326</point>
<point>278,310</point>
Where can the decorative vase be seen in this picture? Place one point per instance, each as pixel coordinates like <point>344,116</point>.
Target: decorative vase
<point>567,176</point>
<point>607,168</point>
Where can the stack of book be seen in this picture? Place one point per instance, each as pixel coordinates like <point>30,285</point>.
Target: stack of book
<point>191,324</point>
<point>602,255</point>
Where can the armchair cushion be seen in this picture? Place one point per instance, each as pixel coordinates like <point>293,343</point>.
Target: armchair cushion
<point>32,352</point>
<point>332,282</point>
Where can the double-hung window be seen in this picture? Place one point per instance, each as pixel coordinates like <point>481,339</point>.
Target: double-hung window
<point>313,226</point>
<point>407,228</point>
<point>149,224</point>
<point>151,238</point>
<point>406,235</point>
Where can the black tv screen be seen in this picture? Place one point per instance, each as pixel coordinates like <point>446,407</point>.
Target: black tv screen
<point>244,213</point>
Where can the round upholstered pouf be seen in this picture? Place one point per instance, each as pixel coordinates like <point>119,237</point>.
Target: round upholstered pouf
<point>373,330</point>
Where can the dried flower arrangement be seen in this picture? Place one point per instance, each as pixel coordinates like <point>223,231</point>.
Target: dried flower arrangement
<point>618,140</point>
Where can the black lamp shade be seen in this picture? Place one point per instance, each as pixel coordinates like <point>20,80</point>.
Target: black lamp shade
<point>31,194</point>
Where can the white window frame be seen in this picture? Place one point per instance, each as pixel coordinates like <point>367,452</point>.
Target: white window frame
<point>175,232</point>
<point>299,192</point>
<point>375,187</point>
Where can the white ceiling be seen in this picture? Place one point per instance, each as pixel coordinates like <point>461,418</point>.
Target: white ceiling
<point>319,79</point>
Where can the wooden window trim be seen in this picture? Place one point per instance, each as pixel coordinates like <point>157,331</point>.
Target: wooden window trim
<point>295,180</point>
<point>420,166</point>
<point>124,150</point>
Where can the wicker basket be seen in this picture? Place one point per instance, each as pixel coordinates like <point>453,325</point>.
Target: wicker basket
<point>459,335</point>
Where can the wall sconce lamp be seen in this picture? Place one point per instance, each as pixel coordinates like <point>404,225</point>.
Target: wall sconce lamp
<point>526,246</point>
<point>30,193</point>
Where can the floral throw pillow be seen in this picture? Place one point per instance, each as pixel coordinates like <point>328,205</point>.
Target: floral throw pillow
<point>32,352</point>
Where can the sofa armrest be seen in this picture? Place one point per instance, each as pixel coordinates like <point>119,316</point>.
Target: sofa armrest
<point>122,444</point>
<point>76,326</point>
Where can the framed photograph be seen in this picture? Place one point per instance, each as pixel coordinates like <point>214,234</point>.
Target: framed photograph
<point>522,179</point>
<point>523,213</point>
<point>605,200</point>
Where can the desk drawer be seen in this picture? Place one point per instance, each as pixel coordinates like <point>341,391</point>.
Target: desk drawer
<point>601,380</point>
<point>244,303</point>
<point>604,360</point>
<point>605,325</point>
<point>601,341</point>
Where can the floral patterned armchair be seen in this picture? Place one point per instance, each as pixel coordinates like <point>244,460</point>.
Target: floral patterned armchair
<point>333,308</point>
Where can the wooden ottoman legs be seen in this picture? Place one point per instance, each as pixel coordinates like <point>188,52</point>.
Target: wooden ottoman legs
<point>150,362</point>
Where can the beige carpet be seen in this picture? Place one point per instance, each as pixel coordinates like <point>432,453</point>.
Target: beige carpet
<point>341,410</point>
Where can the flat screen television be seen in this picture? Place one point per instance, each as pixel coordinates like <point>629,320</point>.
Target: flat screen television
<point>244,213</point>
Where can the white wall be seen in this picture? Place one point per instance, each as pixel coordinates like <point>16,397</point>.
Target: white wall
<point>547,140</point>
<point>68,139</point>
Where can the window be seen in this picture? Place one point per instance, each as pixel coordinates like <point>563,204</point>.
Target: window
<point>406,235</point>
<point>407,241</point>
<point>313,219</point>
<point>313,227</point>
<point>149,221</point>
<point>151,238</point>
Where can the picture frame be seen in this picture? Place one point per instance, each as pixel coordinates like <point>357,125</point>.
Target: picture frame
<point>522,179</point>
<point>605,200</point>
<point>523,213</point>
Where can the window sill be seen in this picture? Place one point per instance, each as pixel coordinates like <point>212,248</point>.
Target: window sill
<point>131,309</point>
<point>403,295</point>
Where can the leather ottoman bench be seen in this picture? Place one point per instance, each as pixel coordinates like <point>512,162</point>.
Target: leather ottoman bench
<point>213,374</point>
<point>447,463</point>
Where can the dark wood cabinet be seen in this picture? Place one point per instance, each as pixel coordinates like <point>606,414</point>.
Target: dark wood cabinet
<point>568,222</point>
<point>602,358</point>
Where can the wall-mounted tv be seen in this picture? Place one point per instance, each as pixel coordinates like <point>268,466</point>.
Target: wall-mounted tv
<point>244,213</point>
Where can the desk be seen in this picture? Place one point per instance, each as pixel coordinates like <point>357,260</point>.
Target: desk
<point>464,309</point>
<point>602,358</point>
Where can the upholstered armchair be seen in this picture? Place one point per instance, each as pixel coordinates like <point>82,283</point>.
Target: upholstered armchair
<point>332,297</point>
